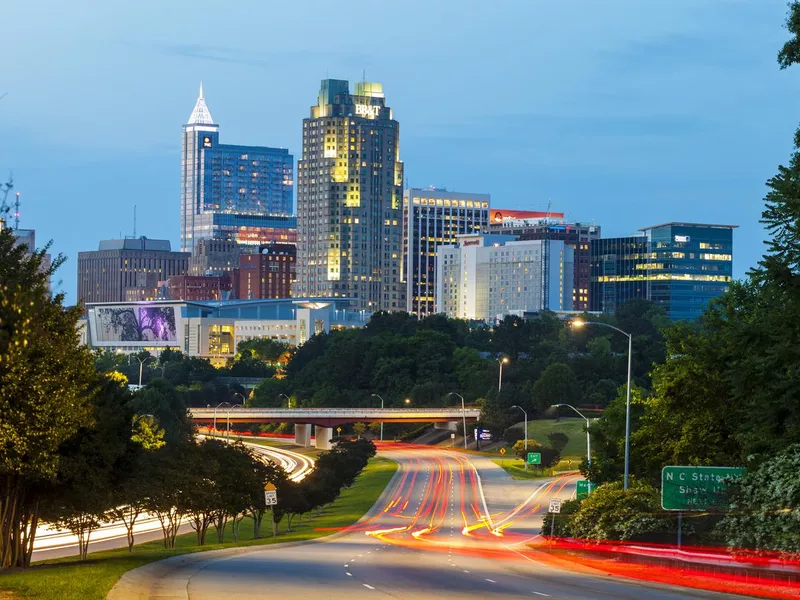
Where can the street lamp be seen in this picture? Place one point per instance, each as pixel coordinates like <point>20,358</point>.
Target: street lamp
<point>230,407</point>
<point>503,361</point>
<point>141,365</point>
<point>407,401</point>
<point>244,400</point>
<point>215,413</point>
<point>577,324</point>
<point>288,400</point>
<point>526,434</point>
<point>588,437</point>
<point>381,399</point>
<point>463,416</point>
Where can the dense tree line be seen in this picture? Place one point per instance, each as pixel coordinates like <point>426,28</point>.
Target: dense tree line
<point>399,357</point>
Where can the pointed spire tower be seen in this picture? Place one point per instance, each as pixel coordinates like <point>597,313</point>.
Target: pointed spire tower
<point>200,136</point>
<point>200,115</point>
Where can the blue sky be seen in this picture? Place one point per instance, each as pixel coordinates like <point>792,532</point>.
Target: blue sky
<point>627,113</point>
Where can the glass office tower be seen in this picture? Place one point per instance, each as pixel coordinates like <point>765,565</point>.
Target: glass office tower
<point>690,264</point>
<point>238,193</point>
<point>618,271</point>
<point>350,199</point>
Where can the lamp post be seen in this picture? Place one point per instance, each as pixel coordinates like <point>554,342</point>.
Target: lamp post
<point>381,399</point>
<point>215,413</point>
<point>407,401</point>
<point>578,324</point>
<point>588,437</point>
<point>230,407</point>
<point>503,361</point>
<point>525,458</point>
<point>244,400</point>
<point>141,365</point>
<point>288,400</point>
<point>463,415</point>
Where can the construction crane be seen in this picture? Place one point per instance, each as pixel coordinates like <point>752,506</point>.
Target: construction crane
<point>5,207</point>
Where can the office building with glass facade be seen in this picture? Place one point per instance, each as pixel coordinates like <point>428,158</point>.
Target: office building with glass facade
<point>618,271</point>
<point>679,266</point>
<point>350,199</point>
<point>689,265</point>
<point>239,193</point>
<point>433,217</point>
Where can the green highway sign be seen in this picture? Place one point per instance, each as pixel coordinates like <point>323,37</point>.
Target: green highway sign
<point>583,488</point>
<point>534,458</point>
<point>696,488</point>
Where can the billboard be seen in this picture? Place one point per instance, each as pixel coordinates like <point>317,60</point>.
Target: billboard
<point>136,323</point>
<point>498,215</point>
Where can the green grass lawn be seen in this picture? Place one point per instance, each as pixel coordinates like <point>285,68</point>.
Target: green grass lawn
<point>69,579</point>
<point>573,428</point>
<point>516,468</point>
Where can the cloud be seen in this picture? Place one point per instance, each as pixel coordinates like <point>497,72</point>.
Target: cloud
<point>243,56</point>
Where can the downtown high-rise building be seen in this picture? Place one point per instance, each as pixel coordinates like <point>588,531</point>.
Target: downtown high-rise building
<point>349,200</point>
<point>238,193</point>
<point>431,218</point>
<point>681,267</point>
<point>552,226</point>
<point>487,277</point>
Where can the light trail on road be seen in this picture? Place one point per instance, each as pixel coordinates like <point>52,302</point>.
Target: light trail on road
<point>49,540</point>
<point>449,525</point>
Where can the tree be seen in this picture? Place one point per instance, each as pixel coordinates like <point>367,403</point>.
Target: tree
<point>91,465</point>
<point>765,506</point>
<point>549,456</point>
<point>359,429</point>
<point>556,385</point>
<point>47,382</point>
<point>160,399</point>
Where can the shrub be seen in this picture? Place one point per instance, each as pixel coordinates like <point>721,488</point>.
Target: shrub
<point>611,513</point>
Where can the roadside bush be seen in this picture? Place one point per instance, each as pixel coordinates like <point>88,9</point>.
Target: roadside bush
<point>611,513</point>
<point>550,456</point>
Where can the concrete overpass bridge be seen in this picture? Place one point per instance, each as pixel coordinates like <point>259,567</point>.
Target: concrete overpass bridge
<point>325,419</point>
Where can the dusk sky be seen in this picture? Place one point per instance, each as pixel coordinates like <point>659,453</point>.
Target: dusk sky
<point>626,113</point>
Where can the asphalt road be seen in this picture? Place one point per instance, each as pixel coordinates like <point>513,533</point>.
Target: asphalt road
<point>442,529</point>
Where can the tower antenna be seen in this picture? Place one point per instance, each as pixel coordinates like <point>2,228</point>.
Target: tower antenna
<point>134,218</point>
<point>16,213</point>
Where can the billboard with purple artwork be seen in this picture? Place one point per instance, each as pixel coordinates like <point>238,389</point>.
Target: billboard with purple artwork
<point>136,323</point>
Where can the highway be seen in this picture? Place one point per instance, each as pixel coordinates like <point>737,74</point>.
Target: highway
<point>56,543</point>
<point>449,525</point>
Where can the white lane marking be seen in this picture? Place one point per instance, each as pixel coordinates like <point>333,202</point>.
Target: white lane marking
<point>368,586</point>
<point>348,574</point>
<point>491,580</point>
<point>465,571</point>
<point>541,594</point>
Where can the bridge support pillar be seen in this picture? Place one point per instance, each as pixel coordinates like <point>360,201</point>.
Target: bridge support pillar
<point>302,434</point>
<point>446,425</point>
<point>323,437</point>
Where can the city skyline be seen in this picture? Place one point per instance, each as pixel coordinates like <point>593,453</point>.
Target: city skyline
<point>646,99</point>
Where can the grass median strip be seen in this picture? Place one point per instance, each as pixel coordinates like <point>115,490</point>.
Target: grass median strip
<point>516,468</point>
<point>70,579</point>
